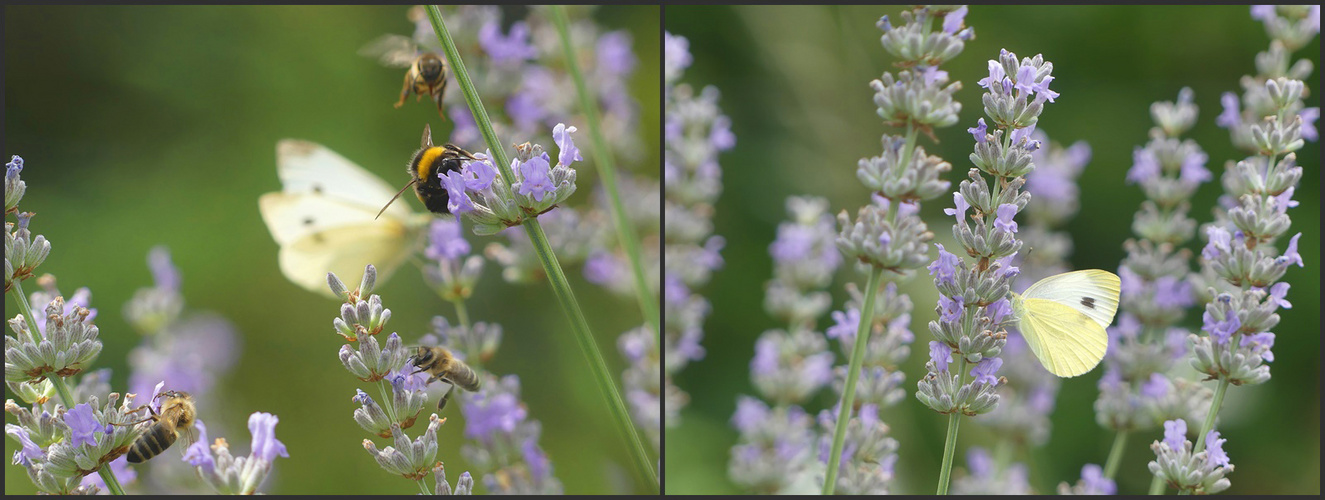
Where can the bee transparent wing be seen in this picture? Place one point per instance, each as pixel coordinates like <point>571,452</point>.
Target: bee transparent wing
<point>392,50</point>
<point>1091,292</point>
<point>309,168</point>
<point>186,439</point>
<point>318,234</point>
<point>1067,342</point>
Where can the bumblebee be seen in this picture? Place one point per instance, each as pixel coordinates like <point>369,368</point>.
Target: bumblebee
<point>427,70</point>
<point>177,416</point>
<point>442,365</point>
<point>423,168</point>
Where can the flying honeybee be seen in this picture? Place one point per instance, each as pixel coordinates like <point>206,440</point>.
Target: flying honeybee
<point>427,70</point>
<point>177,416</point>
<point>423,168</point>
<point>442,365</point>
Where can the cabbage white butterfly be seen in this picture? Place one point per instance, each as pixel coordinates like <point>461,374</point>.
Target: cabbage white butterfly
<point>1063,318</point>
<point>323,218</point>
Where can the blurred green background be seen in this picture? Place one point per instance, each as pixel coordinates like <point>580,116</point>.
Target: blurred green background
<point>795,82</point>
<point>145,126</point>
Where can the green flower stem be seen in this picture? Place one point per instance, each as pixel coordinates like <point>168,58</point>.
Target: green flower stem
<point>388,402</point>
<point>950,444</point>
<point>1210,416</point>
<point>461,312</point>
<point>1156,485</point>
<point>1209,420</point>
<point>853,372</point>
<point>1115,454</point>
<point>61,388</point>
<point>607,168</point>
<point>423,487</point>
<point>557,279</point>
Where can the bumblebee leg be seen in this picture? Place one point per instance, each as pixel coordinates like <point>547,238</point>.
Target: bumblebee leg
<point>404,92</point>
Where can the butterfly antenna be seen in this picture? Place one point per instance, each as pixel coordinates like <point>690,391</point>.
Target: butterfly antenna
<point>393,198</point>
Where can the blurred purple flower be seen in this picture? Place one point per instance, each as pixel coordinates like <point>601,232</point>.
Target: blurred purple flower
<point>1175,433</point>
<point>445,240</point>
<point>513,47</point>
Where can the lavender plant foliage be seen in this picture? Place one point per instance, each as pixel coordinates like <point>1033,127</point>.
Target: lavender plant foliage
<point>774,452</point>
<point>1242,265</point>
<point>694,131</point>
<point>1137,392</point>
<point>974,302</point>
<point>869,455</point>
<point>985,476</point>
<point>502,441</point>
<point>1029,396</point>
<point>188,352</point>
<point>1092,482</point>
<point>228,474</point>
<point>521,73</point>
<point>1201,472</point>
<point>403,392</point>
<point>62,441</point>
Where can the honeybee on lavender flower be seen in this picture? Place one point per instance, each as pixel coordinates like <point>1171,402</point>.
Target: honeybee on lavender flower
<point>442,365</point>
<point>427,70</point>
<point>176,417</point>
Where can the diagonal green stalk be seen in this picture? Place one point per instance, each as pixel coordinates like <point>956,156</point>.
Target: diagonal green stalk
<point>1156,485</point>
<point>1116,454</point>
<point>557,279</point>
<point>61,388</point>
<point>950,444</point>
<point>607,168</point>
<point>853,373</point>
<point>1210,416</point>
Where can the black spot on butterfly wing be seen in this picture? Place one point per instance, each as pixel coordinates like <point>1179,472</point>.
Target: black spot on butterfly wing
<point>317,189</point>
<point>309,221</point>
<point>1088,302</point>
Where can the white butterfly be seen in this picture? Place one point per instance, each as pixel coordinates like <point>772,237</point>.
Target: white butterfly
<point>323,218</point>
<point>1063,318</point>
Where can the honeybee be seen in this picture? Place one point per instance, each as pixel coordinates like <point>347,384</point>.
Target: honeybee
<point>177,416</point>
<point>442,365</point>
<point>423,168</point>
<point>427,70</point>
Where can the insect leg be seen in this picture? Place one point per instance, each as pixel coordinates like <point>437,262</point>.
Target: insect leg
<point>404,92</point>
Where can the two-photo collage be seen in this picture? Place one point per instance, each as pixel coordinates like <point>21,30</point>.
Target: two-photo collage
<point>662,249</point>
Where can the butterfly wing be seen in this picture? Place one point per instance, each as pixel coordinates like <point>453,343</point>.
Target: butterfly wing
<point>310,168</point>
<point>323,218</point>
<point>318,235</point>
<point>1091,292</point>
<point>1067,342</point>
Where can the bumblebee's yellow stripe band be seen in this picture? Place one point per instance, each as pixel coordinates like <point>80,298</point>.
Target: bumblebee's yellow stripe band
<point>428,160</point>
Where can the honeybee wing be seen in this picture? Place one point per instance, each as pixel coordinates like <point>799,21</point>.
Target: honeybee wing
<point>392,50</point>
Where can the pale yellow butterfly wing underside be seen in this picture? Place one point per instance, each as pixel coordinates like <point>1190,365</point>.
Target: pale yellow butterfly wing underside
<point>323,218</point>
<point>1091,292</point>
<point>1067,342</point>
